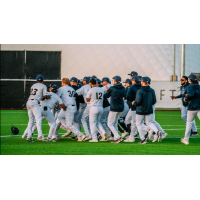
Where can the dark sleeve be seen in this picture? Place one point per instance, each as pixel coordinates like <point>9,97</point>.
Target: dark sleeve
<point>129,95</point>
<point>138,99</point>
<point>108,93</point>
<point>154,97</point>
<point>179,96</point>
<point>190,93</point>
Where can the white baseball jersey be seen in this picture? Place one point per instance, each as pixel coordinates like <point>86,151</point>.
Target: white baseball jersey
<point>83,91</point>
<point>95,95</point>
<point>51,103</point>
<point>38,90</point>
<point>66,93</point>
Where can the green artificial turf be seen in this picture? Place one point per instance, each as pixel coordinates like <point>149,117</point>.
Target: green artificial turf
<point>170,121</point>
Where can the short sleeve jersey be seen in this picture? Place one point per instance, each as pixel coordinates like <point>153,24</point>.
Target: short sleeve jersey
<point>38,90</point>
<point>51,103</point>
<point>66,93</point>
<point>95,95</point>
<point>83,91</point>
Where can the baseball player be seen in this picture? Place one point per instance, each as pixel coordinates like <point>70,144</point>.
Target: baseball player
<point>164,134</point>
<point>95,97</point>
<point>145,99</point>
<point>132,74</point>
<point>117,93</point>
<point>38,92</point>
<point>77,117</point>
<point>192,96</point>
<point>47,107</point>
<point>67,117</point>
<point>184,109</point>
<point>85,111</point>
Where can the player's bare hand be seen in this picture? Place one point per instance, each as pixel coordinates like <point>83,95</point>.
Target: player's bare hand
<point>107,87</point>
<point>172,97</point>
<point>133,102</point>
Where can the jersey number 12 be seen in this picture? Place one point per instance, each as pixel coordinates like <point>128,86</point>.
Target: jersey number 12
<point>99,95</point>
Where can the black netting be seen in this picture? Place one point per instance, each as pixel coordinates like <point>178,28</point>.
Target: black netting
<point>47,63</point>
<point>12,64</point>
<point>12,94</point>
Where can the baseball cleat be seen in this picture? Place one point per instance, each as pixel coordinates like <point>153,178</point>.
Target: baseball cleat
<point>56,137</point>
<point>99,136</point>
<point>50,140</point>
<point>87,138</point>
<point>81,138</point>
<point>146,136</point>
<point>105,136</point>
<point>110,138</point>
<point>118,140</point>
<point>124,135</point>
<point>155,137</point>
<point>93,140</point>
<point>42,139</point>
<point>129,140</point>
<point>193,134</point>
<point>142,142</point>
<point>66,134</point>
<point>164,135</point>
<point>30,140</point>
<point>24,136</point>
<point>74,138</point>
<point>102,140</point>
<point>159,136</point>
<point>184,141</point>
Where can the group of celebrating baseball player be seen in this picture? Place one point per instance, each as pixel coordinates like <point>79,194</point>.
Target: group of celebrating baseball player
<point>104,109</point>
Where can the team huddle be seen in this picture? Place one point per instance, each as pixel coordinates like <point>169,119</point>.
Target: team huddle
<point>104,110</point>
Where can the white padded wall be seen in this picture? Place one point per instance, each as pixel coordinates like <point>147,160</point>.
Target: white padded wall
<point>153,60</point>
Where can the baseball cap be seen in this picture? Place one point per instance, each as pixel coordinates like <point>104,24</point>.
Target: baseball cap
<point>73,79</point>
<point>86,78</point>
<point>106,79</point>
<point>93,76</point>
<point>145,79</point>
<point>128,81</point>
<point>149,80</point>
<point>133,73</point>
<point>192,77</point>
<point>40,77</point>
<point>136,78</point>
<point>98,81</point>
<point>54,88</point>
<point>117,78</point>
<point>50,85</point>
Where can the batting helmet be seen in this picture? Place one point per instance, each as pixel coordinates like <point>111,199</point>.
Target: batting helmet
<point>14,130</point>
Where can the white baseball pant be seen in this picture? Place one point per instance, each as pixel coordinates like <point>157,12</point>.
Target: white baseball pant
<point>94,118</point>
<point>113,118</point>
<point>139,122</point>
<point>190,118</point>
<point>34,113</point>
<point>184,111</point>
<point>104,119</point>
<point>85,119</point>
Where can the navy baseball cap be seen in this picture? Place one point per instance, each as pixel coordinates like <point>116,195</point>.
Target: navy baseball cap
<point>192,77</point>
<point>54,88</point>
<point>40,77</point>
<point>98,81</point>
<point>117,78</point>
<point>106,79</point>
<point>86,78</point>
<point>93,77</point>
<point>50,85</point>
<point>133,73</point>
<point>128,81</point>
<point>136,78</point>
<point>73,79</point>
<point>145,79</point>
<point>149,80</point>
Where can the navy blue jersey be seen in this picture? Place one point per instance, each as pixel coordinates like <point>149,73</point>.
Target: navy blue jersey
<point>183,90</point>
